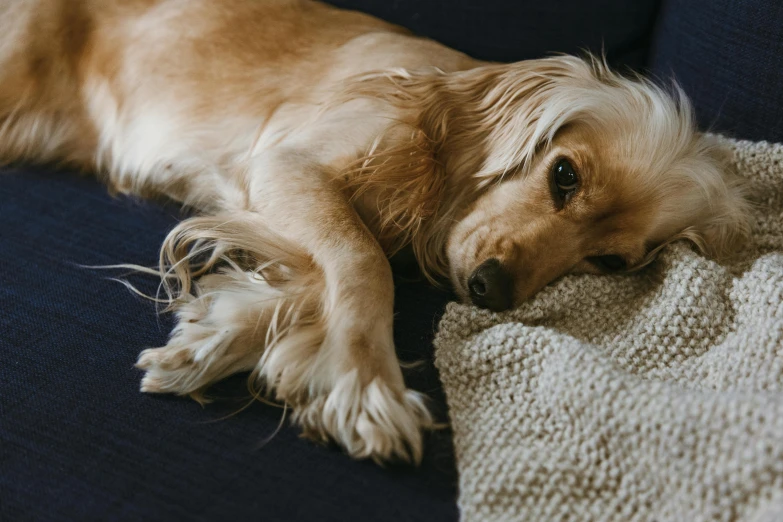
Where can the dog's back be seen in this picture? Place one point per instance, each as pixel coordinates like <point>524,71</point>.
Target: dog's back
<point>41,42</point>
<point>62,60</point>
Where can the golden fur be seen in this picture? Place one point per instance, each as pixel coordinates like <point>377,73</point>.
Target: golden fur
<point>316,142</point>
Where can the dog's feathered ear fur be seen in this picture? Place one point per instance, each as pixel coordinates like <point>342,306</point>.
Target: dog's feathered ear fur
<point>460,132</point>
<point>513,107</point>
<point>725,225</point>
<point>718,212</point>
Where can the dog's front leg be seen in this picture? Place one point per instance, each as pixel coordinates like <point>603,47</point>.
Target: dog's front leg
<point>352,385</point>
<point>322,340</point>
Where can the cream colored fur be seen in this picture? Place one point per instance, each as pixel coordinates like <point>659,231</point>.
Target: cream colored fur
<point>315,142</point>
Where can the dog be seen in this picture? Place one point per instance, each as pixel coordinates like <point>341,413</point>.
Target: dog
<point>314,143</point>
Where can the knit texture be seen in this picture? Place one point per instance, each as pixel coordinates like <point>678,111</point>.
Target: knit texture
<point>649,397</point>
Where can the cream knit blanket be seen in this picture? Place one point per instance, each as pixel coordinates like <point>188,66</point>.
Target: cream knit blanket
<point>654,397</point>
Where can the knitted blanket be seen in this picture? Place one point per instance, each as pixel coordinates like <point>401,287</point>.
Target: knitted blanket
<point>647,397</point>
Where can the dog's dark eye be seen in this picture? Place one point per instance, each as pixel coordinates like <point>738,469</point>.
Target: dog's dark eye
<point>564,181</point>
<point>609,263</point>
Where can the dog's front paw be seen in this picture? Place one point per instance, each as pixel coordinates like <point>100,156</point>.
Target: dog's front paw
<point>343,384</point>
<point>210,342</point>
<point>349,392</point>
<point>372,421</point>
<point>190,362</point>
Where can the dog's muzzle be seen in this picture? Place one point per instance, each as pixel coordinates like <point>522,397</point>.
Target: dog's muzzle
<point>491,286</point>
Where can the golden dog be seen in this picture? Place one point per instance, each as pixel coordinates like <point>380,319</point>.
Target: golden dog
<point>316,142</point>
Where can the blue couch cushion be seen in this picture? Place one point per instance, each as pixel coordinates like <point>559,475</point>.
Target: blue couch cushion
<point>78,441</point>
<point>728,56</point>
<point>503,30</point>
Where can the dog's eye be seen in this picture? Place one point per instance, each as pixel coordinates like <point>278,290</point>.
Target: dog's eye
<point>564,181</point>
<point>609,263</point>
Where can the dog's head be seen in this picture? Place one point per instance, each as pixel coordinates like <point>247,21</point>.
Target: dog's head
<point>560,166</point>
<point>586,172</point>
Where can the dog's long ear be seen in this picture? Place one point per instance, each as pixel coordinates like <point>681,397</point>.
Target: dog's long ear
<point>709,199</point>
<point>438,135</point>
<point>486,121</point>
<point>458,132</point>
<point>402,168</point>
<point>509,111</point>
<point>725,225</point>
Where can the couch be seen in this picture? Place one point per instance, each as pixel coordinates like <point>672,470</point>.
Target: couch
<point>77,439</point>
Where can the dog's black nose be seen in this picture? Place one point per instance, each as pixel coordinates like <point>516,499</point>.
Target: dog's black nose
<point>491,287</point>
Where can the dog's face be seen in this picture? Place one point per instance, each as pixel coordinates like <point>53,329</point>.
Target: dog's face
<point>576,209</point>
<point>599,197</point>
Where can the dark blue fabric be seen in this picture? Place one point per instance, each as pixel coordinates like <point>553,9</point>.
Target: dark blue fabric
<point>728,56</point>
<point>511,30</point>
<point>78,441</point>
